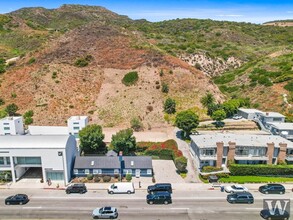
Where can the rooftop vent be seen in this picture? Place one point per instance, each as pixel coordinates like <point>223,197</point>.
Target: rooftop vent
<point>132,163</point>
<point>92,163</point>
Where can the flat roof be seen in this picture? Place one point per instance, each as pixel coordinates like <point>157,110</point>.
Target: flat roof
<point>249,110</point>
<point>273,114</point>
<point>210,140</point>
<point>76,117</point>
<point>48,130</point>
<point>33,141</point>
<point>282,125</point>
<point>10,118</point>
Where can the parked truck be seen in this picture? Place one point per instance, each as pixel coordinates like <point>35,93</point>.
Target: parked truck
<point>121,188</point>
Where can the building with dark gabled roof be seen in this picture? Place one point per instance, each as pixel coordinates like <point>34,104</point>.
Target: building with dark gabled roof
<point>111,165</point>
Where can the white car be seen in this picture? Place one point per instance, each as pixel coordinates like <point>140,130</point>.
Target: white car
<point>235,188</point>
<point>105,213</point>
<point>237,117</point>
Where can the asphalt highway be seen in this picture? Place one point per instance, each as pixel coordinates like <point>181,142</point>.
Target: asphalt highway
<point>199,205</point>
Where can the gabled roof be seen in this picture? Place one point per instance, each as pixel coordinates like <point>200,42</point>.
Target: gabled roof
<point>104,162</point>
<point>142,162</point>
<point>92,162</point>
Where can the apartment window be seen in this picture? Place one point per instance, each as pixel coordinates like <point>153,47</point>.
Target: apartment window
<point>208,152</point>
<point>76,128</point>
<point>6,128</point>
<point>116,171</point>
<point>1,160</point>
<point>76,123</point>
<point>149,171</point>
<point>5,123</point>
<point>277,119</point>
<point>86,171</point>
<point>97,171</point>
<point>75,171</point>
<point>6,133</point>
<point>8,160</point>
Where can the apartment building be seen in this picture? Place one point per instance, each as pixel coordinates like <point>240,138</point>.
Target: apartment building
<point>219,148</point>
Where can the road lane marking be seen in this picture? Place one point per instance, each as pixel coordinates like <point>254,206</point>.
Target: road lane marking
<point>179,208</point>
<point>32,207</point>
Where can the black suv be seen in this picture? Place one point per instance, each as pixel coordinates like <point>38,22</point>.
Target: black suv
<point>241,197</point>
<point>159,198</point>
<point>159,187</point>
<point>76,188</point>
<point>272,189</point>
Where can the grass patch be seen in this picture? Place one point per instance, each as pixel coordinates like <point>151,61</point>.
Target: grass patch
<point>130,78</point>
<point>183,175</point>
<point>255,179</point>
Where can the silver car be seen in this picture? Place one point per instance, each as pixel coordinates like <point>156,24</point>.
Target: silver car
<point>105,213</point>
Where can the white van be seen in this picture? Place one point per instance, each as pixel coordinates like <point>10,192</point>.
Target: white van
<point>121,188</point>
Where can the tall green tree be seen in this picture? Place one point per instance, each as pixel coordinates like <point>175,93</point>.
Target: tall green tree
<point>219,115</point>
<point>91,140</point>
<point>11,109</point>
<point>207,100</point>
<point>170,106</point>
<point>187,121</point>
<point>124,141</point>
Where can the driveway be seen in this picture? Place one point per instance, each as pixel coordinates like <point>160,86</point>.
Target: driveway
<point>165,171</point>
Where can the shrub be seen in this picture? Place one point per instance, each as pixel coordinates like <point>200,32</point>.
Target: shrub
<point>260,170</point>
<point>28,120</point>
<point>106,179</point>
<point>289,86</point>
<point>181,164</point>
<point>90,176</point>
<point>54,75</point>
<point>130,78</point>
<point>128,177</point>
<point>153,179</point>
<point>28,114</point>
<point>31,60</point>
<point>81,62</point>
<point>2,102</point>
<point>165,88</point>
<point>170,106</point>
<point>136,124</point>
<point>97,179</point>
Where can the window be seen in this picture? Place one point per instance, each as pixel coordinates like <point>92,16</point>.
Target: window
<point>76,128</point>
<point>127,171</point>
<point>6,128</point>
<point>86,171</point>
<point>6,133</point>
<point>116,171</point>
<point>76,123</point>
<point>75,171</point>
<point>5,123</point>
<point>149,171</point>
<point>8,160</point>
<point>1,160</point>
<point>97,171</point>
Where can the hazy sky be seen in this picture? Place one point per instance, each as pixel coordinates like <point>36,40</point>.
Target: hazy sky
<point>255,11</point>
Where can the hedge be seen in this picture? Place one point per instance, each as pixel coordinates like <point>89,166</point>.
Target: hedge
<point>261,170</point>
<point>208,169</point>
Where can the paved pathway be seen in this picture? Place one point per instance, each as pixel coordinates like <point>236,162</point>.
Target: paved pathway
<point>192,175</point>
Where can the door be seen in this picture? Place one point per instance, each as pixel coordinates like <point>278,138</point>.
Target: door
<point>137,173</point>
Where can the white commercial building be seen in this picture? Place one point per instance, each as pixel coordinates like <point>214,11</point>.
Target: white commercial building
<point>53,155</point>
<point>11,126</point>
<point>76,123</point>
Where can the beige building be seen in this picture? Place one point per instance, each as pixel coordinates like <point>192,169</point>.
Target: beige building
<point>217,149</point>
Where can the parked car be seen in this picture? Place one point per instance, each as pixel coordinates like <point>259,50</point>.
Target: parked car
<point>121,188</point>
<point>213,179</point>
<point>159,187</point>
<point>18,199</point>
<point>237,117</point>
<point>272,189</point>
<point>266,214</point>
<point>235,188</point>
<point>105,212</point>
<point>76,188</point>
<point>242,197</point>
<point>159,198</point>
